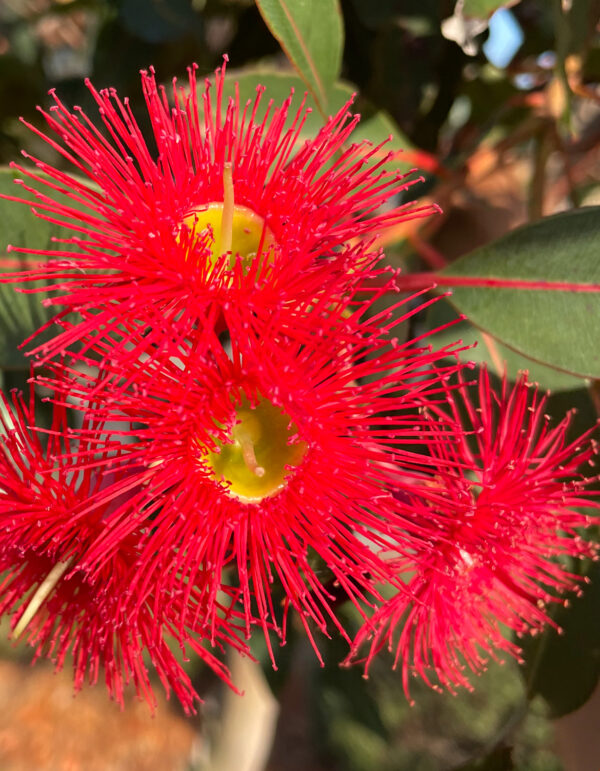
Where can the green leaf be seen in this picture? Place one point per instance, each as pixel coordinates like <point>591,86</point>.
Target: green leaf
<point>493,352</point>
<point>483,9</point>
<point>312,35</point>
<point>557,322</point>
<point>18,226</point>
<point>20,314</point>
<point>375,126</point>
<point>565,668</point>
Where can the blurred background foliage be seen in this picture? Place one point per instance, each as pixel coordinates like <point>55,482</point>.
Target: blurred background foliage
<point>498,104</point>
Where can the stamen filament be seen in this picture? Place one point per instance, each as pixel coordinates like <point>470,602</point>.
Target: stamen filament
<point>40,596</point>
<point>228,210</point>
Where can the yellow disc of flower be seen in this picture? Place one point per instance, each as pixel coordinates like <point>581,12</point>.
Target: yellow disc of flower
<point>242,236</point>
<point>259,457</point>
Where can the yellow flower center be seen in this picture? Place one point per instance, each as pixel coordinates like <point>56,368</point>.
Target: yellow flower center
<point>235,229</point>
<point>261,452</point>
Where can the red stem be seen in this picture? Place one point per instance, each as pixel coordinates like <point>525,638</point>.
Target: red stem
<point>412,281</point>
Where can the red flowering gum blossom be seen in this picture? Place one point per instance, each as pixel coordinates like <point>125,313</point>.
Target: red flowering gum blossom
<point>51,512</point>
<point>278,458</point>
<point>235,209</point>
<point>502,506</point>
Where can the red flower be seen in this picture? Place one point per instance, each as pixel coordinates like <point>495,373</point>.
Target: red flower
<point>275,459</point>
<point>504,504</point>
<point>226,213</point>
<point>51,513</point>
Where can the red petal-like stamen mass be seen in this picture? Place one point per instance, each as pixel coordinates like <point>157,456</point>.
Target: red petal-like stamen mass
<point>51,512</point>
<point>506,500</point>
<point>354,398</point>
<point>318,197</point>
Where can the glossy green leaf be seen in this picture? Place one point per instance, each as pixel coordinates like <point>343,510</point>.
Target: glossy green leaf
<point>312,35</point>
<point>557,322</point>
<point>565,668</point>
<point>492,353</point>
<point>375,126</point>
<point>483,9</point>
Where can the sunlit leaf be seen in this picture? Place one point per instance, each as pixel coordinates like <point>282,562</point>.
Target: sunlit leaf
<point>537,290</point>
<point>312,35</point>
<point>496,356</point>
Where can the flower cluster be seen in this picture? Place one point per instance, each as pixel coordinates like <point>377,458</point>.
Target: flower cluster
<point>250,435</point>
<point>52,511</point>
<point>504,504</point>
